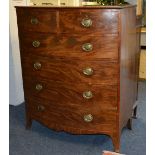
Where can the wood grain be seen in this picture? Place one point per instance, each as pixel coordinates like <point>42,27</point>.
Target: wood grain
<point>103,96</point>
<point>46,21</point>
<point>128,65</point>
<point>103,21</point>
<point>70,71</point>
<point>70,46</point>
<point>72,116</point>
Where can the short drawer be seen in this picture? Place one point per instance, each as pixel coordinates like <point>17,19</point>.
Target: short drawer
<point>103,96</point>
<point>70,71</point>
<point>84,21</point>
<point>36,20</point>
<point>70,46</point>
<point>72,116</point>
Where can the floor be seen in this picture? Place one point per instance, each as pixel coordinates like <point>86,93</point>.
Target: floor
<point>43,141</point>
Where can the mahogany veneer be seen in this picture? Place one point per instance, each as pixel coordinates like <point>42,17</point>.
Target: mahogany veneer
<point>79,67</point>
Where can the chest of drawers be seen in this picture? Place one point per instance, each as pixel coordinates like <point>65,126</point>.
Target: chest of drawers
<point>79,67</point>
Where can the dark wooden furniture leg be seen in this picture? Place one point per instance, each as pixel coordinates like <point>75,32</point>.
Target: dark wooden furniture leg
<point>135,113</point>
<point>129,124</point>
<point>116,143</point>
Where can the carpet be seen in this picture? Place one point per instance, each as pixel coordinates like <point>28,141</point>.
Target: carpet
<point>40,140</point>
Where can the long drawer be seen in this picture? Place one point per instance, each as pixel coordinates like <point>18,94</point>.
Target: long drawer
<point>102,96</point>
<point>70,46</point>
<point>70,71</point>
<point>72,116</point>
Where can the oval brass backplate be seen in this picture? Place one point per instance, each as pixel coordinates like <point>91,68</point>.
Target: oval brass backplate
<point>86,22</point>
<point>87,47</point>
<point>87,94</point>
<point>40,108</point>
<point>36,43</point>
<point>34,21</point>
<point>88,71</point>
<point>37,65</point>
<point>39,87</point>
<point>88,118</point>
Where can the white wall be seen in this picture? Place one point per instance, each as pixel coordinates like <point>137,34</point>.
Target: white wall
<point>12,93</point>
<point>15,78</point>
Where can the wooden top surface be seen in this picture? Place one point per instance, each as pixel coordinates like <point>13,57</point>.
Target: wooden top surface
<point>79,7</point>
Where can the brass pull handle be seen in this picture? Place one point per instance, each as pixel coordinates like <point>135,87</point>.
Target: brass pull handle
<point>39,87</point>
<point>88,71</point>
<point>87,47</point>
<point>86,22</point>
<point>87,94</point>
<point>37,65</point>
<point>40,108</point>
<point>36,43</point>
<point>34,21</point>
<point>88,118</point>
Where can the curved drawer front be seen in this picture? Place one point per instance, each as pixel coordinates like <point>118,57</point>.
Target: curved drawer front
<point>78,21</point>
<point>70,46</point>
<point>36,20</point>
<point>102,96</point>
<point>70,71</point>
<point>72,116</point>
<point>96,21</point>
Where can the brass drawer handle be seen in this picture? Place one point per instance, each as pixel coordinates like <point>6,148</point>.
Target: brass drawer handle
<point>87,94</point>
<point>88,118</point>
<point>87,47</point>
<point>88,71</point>
<point>37,65</point>
<point>36,43</point>
<point>40,108</point>
<point>34,21</point>
<point>86,22</point>
<point>39,87</point>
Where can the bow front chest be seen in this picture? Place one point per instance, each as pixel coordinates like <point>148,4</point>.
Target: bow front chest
<point>79,67</point>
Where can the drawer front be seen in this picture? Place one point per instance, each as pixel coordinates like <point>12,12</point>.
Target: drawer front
<point>103,96</point>
<point>72,116</point>
<point>96,21</point>
<point>83,47</point>
<point>70,71</point>
<point>36,20</point>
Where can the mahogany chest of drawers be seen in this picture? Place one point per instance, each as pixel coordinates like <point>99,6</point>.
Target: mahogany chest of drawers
<point>79,67</point>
